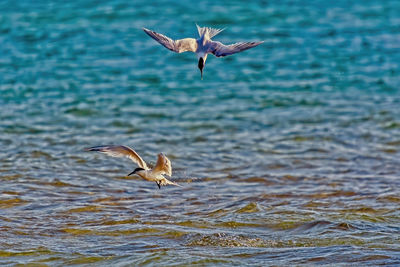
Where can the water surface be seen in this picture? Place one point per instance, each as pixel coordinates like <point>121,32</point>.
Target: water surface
<point>288,153</point>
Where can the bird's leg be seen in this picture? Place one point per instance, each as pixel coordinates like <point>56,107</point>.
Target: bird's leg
<point>158,183</point>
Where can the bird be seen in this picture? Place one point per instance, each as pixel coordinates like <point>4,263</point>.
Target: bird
<point>156,174</point>
<point>201,46</point>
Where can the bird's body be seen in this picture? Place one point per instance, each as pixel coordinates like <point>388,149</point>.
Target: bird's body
<point>201,46</point>
<point>155,174</point>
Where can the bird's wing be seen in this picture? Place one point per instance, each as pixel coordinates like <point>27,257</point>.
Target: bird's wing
<point>221,50</point>
<point>120,151</point>
<point>179,46</point>
<point>163,165</point>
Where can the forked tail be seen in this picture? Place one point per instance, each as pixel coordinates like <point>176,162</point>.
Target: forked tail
<point>165,181</point>
<point>211,31</point>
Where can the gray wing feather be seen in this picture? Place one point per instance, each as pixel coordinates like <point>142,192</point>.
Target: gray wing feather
<point>221,50</point>
<point>179,46</point>
<point>163,165</point>
<point>120,151</point>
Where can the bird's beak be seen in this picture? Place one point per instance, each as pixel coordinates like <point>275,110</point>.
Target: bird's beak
<point>131,173</point>
<point>201,71</point>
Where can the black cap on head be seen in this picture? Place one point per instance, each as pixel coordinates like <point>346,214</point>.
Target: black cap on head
<point>201,66</point>
<point>136,170</point>
<point>201,63</point>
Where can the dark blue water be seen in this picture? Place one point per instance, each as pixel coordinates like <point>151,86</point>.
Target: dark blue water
<point>288,153</point>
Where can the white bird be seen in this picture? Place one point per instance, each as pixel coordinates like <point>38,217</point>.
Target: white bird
<point>162,167</point>
<point>201,46</point>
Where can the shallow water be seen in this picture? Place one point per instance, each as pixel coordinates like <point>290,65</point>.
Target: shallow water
<point>288,153</point>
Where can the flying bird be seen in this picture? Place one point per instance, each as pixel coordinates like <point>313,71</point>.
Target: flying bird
<point>201,46</point>
<point>156,174</point>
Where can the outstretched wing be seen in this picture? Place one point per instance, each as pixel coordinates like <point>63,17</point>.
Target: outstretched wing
<point>163,165</point>
<point>179,46</point>
<point>221,50</point>
<point>120,151</point>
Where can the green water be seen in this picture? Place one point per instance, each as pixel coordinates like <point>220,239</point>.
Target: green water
<point>288,153</point>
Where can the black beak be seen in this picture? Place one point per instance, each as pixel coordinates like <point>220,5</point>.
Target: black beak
<point>201,66</point>
<point>132,173</point>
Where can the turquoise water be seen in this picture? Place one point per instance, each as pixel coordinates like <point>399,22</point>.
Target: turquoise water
<point>288,153</point>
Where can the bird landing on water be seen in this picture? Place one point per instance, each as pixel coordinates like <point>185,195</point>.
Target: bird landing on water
<point>156,174</point>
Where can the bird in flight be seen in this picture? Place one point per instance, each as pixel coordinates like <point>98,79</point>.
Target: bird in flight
<point>156,174</point>
<point>201,46</point>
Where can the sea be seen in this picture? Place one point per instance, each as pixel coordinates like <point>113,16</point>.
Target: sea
<point>288,153</point>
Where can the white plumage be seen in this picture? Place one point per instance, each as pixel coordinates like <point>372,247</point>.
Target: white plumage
<point>201,46</point>
<point>156,174</point>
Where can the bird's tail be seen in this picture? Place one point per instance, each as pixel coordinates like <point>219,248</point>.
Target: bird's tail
<point>167,182</point>
<point>211,31</point>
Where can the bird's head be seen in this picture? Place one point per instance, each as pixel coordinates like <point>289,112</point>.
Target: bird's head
<point>136,170</point>
<point>202,62</point>
<point>201,66</point>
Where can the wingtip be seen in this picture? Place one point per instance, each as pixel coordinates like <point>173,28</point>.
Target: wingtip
<point>176,184</point>
<point>95,148</point>
<point>147,31</point>
<point>257,43</point>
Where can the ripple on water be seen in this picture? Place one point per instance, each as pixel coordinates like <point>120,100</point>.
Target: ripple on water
<point>288,153</point>
<point>81,112</point>
<point>12,202</point>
